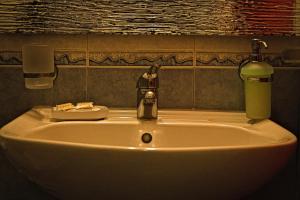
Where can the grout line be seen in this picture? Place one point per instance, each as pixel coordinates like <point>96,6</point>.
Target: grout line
<point>69,50</point>
<point>148,51</point>
<point>216,67</point>
<point>71,66</point>
<point>117,67</point>
<point>139,67</point>
<point>194,78</point>
<point>145,67</point>
<point>177,67</point>
<point>287,68</point>
<point>86,66</point>
<point>298,151</point>
<point>11,66</point>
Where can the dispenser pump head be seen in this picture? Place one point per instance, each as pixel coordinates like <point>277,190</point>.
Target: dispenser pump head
<point>256,49</point>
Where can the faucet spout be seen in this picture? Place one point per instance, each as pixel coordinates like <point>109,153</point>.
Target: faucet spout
<point>147,94</point>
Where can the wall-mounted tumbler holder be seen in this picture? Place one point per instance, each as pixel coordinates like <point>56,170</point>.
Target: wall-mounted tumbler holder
<point>38,66</point>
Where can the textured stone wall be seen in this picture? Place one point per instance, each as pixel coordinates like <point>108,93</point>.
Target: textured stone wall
<point>196,17</point>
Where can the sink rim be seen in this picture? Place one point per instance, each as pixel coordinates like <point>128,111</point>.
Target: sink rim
<point>292,142</point>
<point>165,117</point>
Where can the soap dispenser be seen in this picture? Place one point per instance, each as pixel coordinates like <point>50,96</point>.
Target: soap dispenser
<point>257,77</point>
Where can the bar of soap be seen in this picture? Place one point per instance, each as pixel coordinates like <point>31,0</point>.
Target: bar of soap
<point>64,107</point>
<point>95,113</point>
<point>84,105</point>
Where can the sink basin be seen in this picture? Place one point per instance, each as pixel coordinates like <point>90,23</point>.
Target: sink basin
<point>191,155</point>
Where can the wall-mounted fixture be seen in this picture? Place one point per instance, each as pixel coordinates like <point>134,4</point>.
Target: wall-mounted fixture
<point>257,76</point>
<point>38,66</point>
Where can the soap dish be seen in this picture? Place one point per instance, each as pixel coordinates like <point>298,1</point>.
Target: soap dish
<point>94,113</point>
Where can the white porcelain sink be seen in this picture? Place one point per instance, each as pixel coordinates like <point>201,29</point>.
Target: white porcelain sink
<point>192,155</point>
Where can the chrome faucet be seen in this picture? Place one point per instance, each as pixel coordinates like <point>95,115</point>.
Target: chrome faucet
<point>147,94</point>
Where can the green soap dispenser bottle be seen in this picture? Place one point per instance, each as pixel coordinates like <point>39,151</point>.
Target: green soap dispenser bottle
<point>257,77</point>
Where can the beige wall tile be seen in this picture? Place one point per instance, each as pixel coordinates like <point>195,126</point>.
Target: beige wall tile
<point>70,86</point>
<point>14,42</point>
<point>286,98</point>
<point>140,43</point>
<point>222,44</point>
<point>279,44</point>
<point>218,89</point>
<point>15,98</point>
<point>113,87</point>
<point>243,43</point>
<point>176,89</point>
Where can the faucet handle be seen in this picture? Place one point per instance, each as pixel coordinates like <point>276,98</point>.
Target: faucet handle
<point>150,78</point>
<point>154,68</point>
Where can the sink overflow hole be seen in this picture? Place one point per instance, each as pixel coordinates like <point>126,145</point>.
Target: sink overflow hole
<point>146,137</point>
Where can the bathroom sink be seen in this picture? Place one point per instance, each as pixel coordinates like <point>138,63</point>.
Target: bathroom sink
<point>187,154</point>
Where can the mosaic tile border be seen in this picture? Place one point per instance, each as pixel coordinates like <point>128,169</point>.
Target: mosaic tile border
<point>70,58</point>
<point>219,59</point>
<point>140,59</point>
<point>234,59</point>
<point>60,58</point>
<point>10,58</point>
<point>173,59</point>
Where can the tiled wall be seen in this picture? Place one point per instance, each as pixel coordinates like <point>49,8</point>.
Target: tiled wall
<point>199,72</point>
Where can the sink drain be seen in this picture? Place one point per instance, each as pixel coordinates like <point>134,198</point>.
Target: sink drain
<point>146,137</point>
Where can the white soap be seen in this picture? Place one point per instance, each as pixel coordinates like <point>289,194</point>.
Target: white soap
<point>94,113</point>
